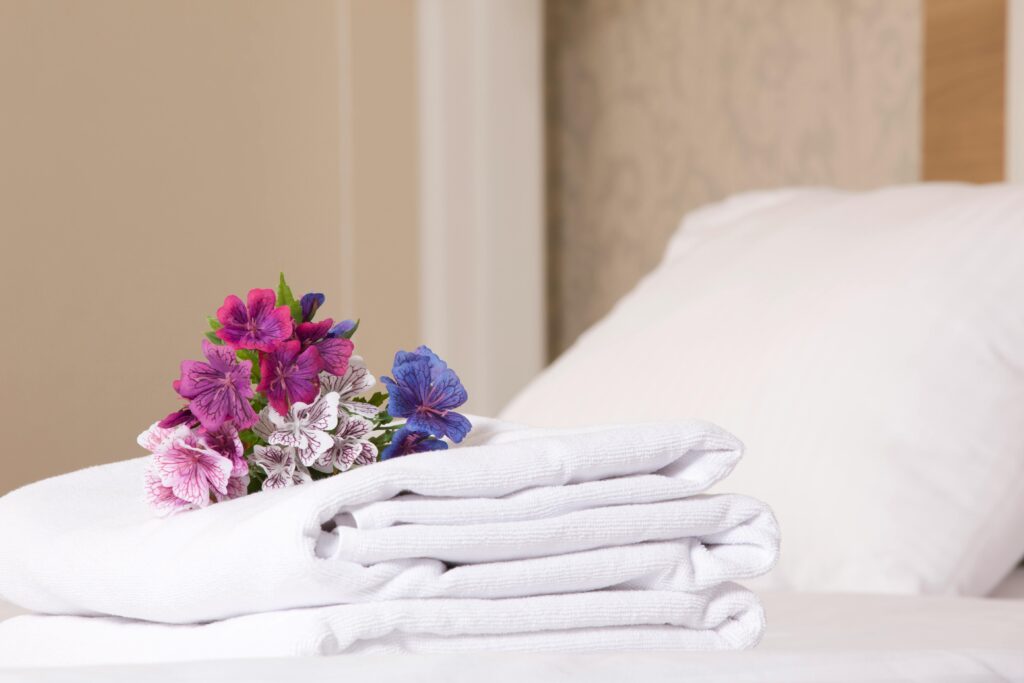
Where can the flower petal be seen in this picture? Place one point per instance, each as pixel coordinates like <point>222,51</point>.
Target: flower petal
<point>161,497</point>
<point>317,443</point>
<point>310,303</point>
<point>157,438</point>
<point>335,354</point>
<point>323,414</point>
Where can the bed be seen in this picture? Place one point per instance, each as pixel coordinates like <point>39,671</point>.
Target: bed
<point>824,623</point>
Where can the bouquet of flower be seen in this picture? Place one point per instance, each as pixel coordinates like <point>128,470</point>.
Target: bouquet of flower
<point>285,393</point>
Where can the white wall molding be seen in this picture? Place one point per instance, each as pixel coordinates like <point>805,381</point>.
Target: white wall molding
<point>481,192</point>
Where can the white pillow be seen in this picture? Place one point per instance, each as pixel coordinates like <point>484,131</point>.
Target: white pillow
<point>867,347</point>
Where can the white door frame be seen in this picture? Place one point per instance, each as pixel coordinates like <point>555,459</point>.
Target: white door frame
<point>482,267</point>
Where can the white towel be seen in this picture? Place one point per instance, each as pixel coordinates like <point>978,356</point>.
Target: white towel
<point>519,513</point>
<point>726,617</point>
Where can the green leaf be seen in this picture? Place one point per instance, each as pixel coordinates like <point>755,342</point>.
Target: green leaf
<point>248,354</point>
<point>214,323</point>
<point>214,339</point>
<point>286,298</point>
<point>249,438</point>
<point>253,357</point>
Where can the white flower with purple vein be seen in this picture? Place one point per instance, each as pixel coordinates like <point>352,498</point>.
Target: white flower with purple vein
<point>306,427</point>
<point>280,466</point>
<point>351,446</point>
<point>356,380</point>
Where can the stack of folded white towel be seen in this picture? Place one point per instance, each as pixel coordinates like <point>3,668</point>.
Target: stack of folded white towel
<point>520,540</point>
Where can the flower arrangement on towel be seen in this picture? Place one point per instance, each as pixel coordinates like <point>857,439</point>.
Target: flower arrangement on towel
<point>281,400</point>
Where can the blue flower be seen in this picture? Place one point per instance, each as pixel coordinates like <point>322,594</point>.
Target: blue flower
<point>426,392</point>
<point>405,442</point>
<point>310,303</point>
<point>344,330</point>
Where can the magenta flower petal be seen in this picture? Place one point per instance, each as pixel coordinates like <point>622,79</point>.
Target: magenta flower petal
<point>334,352</point>
<point>179,417</point>
<point>289,374</point>
<point>218,391</point>
<point>310,333</point>
<point>258,324</point>
<point>226,442</point>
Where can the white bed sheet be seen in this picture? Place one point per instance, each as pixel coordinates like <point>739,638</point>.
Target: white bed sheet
<point>810,637</point>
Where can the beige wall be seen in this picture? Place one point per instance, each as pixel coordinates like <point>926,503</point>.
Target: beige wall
<point>381,208</point>
<point>658,106</point>
<point>155,156</point>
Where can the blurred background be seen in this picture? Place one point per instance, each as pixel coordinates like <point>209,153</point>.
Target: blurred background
<point>469,174</point>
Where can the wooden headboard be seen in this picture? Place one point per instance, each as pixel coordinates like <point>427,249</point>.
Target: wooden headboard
<point>964,90</point>
<point>655,107</point>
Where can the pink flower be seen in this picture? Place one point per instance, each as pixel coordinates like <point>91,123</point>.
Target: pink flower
<point>157,438</point>
<point>289,374</point>
<point>258,325</point>
<point>192,470</point>
<point>162,497</point>
<point>218,391</point>
<point>334,351</point>
<point>226,442</point>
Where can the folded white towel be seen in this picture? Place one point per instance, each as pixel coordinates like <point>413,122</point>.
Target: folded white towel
<point>520,512</point>
<point>726,617</point>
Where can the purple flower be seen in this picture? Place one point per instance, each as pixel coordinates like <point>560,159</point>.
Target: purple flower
<point>406,441</point>
<point>310,303</point>
<point>179,417</point>
<point>334,352</point>
<point>426,391</point>
<point>218,391</point>
<point>289,374</point>
<point>192,471</point>
<point>226,442</point>
<point>258,325</point>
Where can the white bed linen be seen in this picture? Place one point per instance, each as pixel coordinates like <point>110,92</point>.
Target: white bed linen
<point>811,637</point>
<point>502,511</point>
<point>727,617</point>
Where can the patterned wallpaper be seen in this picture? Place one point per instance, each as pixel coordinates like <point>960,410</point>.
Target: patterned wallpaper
<point>655,107</point>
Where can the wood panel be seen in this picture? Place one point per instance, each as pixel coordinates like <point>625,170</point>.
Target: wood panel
<point>964,90</point>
